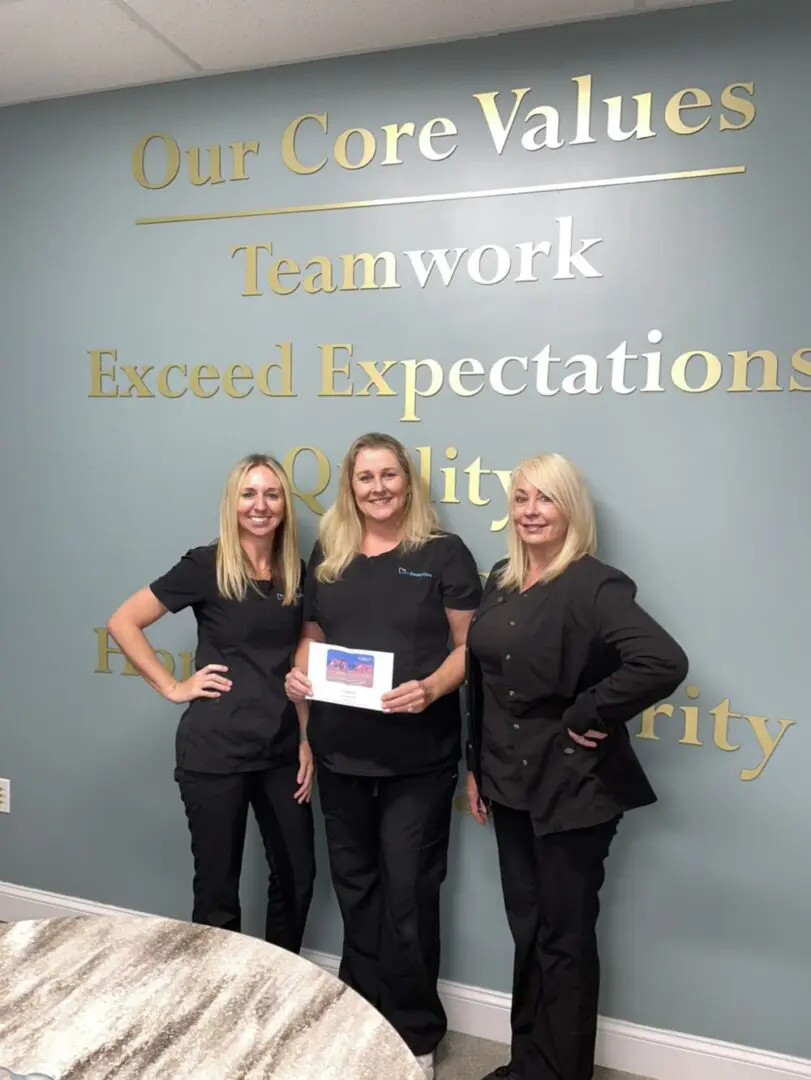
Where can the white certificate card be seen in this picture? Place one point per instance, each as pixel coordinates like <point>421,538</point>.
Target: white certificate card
<point>356,677</point>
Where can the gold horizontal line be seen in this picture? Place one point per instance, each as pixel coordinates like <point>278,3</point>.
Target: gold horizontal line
<point>407,200</point>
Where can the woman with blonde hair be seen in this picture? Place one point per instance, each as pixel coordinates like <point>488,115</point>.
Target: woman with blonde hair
<point>239,742</point>
<point>560,657</point>
<point>384,576</point>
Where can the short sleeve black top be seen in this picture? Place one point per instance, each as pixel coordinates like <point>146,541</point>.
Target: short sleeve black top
<point>394,602</point>
<point>252,726</point>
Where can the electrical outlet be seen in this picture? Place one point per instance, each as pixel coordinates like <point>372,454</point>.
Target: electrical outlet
<point>5,796</point>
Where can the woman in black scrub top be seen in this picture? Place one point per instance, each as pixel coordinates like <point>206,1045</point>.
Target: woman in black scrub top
<point>384,576</point>
<point>560,656</point>
<point>240,742</point>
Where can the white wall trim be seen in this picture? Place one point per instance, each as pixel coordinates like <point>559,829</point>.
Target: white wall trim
<point>472,1010</point>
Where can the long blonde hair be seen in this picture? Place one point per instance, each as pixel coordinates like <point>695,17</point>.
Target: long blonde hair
<point>341,531</point>
<point>563,483</point>
<point>234,570</point>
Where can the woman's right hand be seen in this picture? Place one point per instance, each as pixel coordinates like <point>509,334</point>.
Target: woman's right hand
<point>474,800</point>
<point>205,683</point>
<point>297,686</point>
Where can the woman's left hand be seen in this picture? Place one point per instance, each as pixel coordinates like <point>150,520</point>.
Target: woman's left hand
<point>306,773</point>
<point>588,739</point>
<point>409,697</point>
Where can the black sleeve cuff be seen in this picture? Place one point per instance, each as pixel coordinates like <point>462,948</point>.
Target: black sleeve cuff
<point>582,716</point>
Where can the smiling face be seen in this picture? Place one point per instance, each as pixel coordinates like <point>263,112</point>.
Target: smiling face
<point>260,503</point>
<point>540,524</point>
<point>379,485</point>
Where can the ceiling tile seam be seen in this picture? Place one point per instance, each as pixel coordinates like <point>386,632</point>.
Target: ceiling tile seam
<point>634,7</point>
<point>147,26</point>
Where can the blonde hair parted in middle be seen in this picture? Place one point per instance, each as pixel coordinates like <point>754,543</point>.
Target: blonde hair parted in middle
<point>563,483</point>
<point>341,531</point>
<point>234,571</point>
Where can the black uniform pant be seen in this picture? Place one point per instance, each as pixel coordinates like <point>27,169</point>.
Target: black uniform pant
<point>217,813</point>
<point>551,888</point>
<point>387,840</point>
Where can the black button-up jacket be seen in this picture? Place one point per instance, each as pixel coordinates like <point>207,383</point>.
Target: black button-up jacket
<point>575,653</point>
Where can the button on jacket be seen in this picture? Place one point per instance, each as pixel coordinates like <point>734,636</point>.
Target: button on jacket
<point>574,653</point>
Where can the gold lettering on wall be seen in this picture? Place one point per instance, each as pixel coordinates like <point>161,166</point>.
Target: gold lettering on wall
<point>171,160</point>
<point>679,102</point>
<point>240,150</point>
<point>367,151</point>
<point>563,256</point>
<point>213,174</point>
<point>415,380</point>
<point>330,368</point>
<point>237,373</point>
<point>500,126</point>
<point>713,372</point>
<point>284,367</point>
<point>282,274</point>
<point>369,263</point>
<point>309,495</point>
<point>722,720</point>
<point>106,647</point>
<point>356,147</point>
<point>452,482</point>
<point>801,364</point>
<point>506,114</point>
<point>742,360</point>
<point>307,147</point>
<point>168,156</point>
<point>500,120</point>
<point>642,125</point>
<point>109,379</point>
<point>164,386</point>
<point>289,154</point>
<point>738,106</point>
<point>251,266</point>
<point>425,141</point>
<point>100,374</point>
<point>393,134</point>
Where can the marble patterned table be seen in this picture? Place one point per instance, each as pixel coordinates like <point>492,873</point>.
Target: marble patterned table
<point>128,998</point>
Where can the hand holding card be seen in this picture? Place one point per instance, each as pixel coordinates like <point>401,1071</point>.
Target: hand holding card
<point>409,697</point>
<point>357,677</point>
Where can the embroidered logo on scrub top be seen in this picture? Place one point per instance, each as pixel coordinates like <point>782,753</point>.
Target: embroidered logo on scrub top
<point>413,573</point>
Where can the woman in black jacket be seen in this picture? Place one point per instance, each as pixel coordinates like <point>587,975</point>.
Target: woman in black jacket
<point>560,656</point>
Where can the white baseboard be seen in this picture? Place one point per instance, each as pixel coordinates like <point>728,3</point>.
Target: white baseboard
<point>473,1010</point>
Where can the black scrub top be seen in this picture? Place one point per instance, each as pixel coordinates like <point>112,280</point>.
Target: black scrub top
<point>253,725</point>
<point>575,653</point>
<point>394,602</point>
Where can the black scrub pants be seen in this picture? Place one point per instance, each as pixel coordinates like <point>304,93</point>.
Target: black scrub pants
<point>217,813</point>
<point>387,840</point>
<point>551,888</point>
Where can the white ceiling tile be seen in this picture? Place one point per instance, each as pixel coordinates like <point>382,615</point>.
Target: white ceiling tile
<point>50,49</point>
<point>228,34</point>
